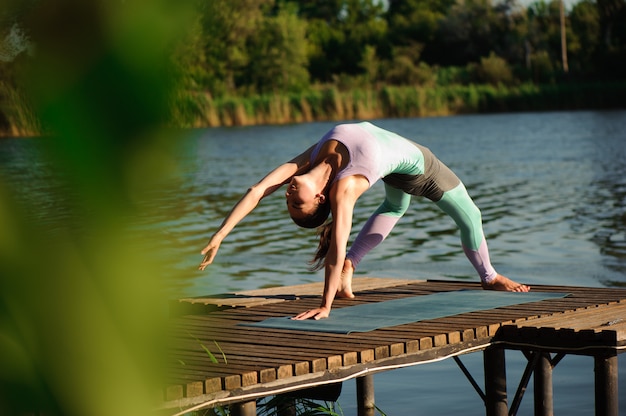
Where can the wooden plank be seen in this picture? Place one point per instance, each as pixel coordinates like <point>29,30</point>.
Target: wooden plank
<point>597,316</point>
<point>260,358</point>
<point>259,297</point>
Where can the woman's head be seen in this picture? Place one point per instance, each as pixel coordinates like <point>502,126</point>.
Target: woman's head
<point>308,205</point>
<point>315,219</point>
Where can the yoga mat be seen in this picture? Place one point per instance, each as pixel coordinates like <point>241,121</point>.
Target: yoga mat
<point>371,316</point>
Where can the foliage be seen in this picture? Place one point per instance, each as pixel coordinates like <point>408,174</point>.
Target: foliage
<point>338,43</point>
<point>17,115</point>
<point>329,103</point>
<point>278,54</point>
<point>211,356</point>
<point>583,42</point>
<point>80,304</point>
<point>234,49</point>
<point>494,70</point>
<point>298,407</point>
<point>542,67</point>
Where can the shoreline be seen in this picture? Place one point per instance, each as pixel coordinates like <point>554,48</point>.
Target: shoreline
<point>199,110</point>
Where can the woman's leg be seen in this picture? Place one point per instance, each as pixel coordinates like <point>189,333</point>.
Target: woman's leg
<point>380,224</point>
<point>375,230</point>
<point>458,205</point>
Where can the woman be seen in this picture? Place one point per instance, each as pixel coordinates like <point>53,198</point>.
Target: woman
<point>329,177</point>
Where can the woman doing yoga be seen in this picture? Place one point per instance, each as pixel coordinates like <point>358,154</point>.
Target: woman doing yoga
<point>329,177</point>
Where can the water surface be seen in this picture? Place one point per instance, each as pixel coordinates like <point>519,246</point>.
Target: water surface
<point>551,188</point>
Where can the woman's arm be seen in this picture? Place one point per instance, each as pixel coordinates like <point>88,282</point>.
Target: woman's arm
<point>343,197</point>
<point>269,184</point>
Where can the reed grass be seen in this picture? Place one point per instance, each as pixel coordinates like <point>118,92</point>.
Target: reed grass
<point>17,117</point>
<point>326,104</point>
<point>198,109</point>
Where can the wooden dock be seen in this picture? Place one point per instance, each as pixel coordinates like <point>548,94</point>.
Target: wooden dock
<point>258,362</point>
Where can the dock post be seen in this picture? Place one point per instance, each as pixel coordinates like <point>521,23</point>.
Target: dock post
<point>607,402</point>
<point>544,402</point>
<point>495,382</point>
<point>243,409</point>
<point>365,395</point>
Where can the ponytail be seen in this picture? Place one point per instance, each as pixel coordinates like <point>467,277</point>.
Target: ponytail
<point>324,232</point>
<point>316,220</point>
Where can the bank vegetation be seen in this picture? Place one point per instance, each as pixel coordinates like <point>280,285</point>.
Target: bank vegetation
<point>247,62</point>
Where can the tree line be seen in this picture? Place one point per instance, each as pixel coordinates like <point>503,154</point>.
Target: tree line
<point>243,47</point>
<point>273,61</point>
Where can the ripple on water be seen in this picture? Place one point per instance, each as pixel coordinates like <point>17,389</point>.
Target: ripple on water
<point>551,188</point>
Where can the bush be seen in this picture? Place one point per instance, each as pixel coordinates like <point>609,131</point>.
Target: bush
<point>542,68</point>
<point>494,70</point>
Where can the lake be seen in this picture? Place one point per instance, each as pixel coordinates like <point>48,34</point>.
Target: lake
<point>551,188</point>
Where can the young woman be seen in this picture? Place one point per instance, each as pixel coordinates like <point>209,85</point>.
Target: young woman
<point>330,176</point>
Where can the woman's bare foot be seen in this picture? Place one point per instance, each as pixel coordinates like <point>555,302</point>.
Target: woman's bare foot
<point>345,289</point>
<point>505,284</point>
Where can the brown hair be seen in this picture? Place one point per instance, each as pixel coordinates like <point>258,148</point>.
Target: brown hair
<point>316,220</point>
<point>324,232</point>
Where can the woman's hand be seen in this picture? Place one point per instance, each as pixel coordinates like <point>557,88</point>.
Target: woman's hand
<point>316,314</point>
<point>209,252</point>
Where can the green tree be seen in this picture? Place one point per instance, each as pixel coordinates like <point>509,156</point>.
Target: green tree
<point>226,26</point>
<point>464,35</point>
<point>473,29</point>
<point>494,70</point>
<point>325,45</point>
<point>585,39</point>
<point>278,54</point>
<point>324,10</point>
<point>412,21</point>
<point>612,18</point>
<point>370,64</point>
<point>510,32</point>
<point>413,26</point>
<point>339,48</point>
<point>545,30</point>
<point>612,15</point>
<point>405,68</point>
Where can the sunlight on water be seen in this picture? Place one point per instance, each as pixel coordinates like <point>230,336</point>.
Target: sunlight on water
<point>550,186</point>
